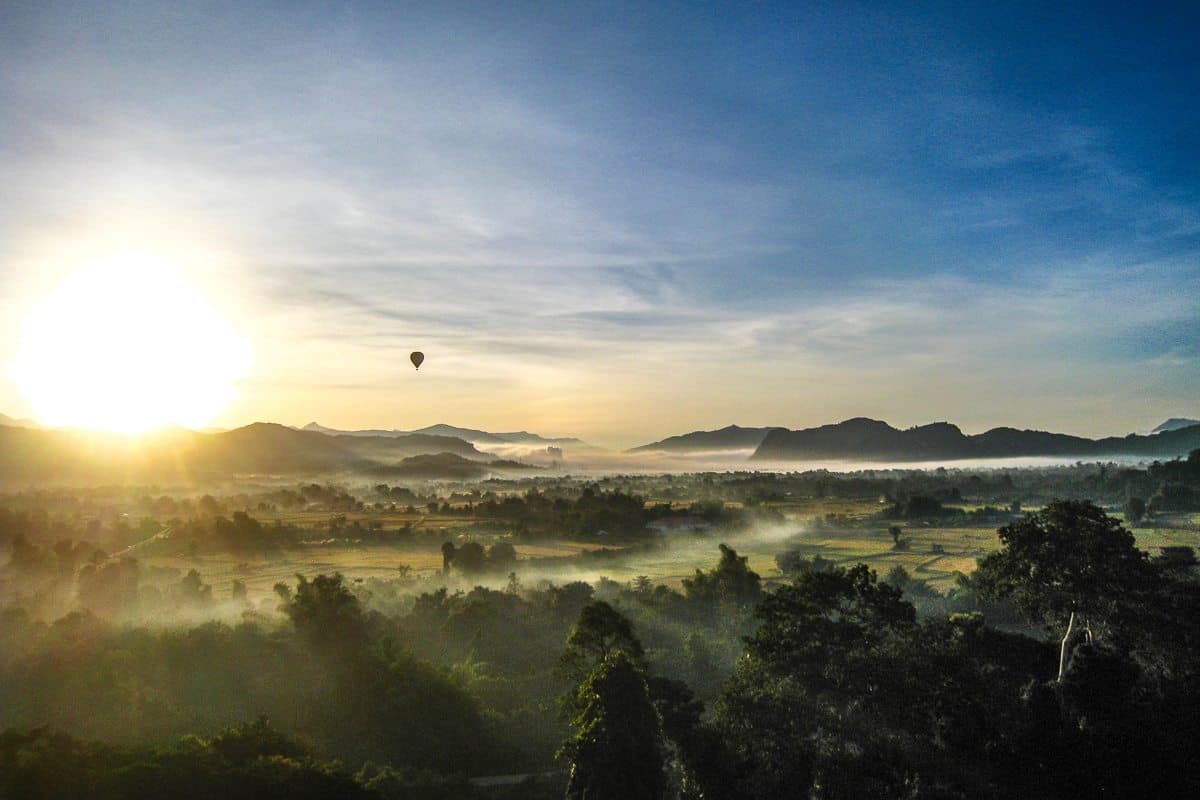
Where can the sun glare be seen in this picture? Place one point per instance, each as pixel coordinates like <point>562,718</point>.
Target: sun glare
<point>127,345</point>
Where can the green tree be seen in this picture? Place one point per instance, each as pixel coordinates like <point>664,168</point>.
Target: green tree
<point>326,614</point>
<point>813,626</point>
<point>1135,510</point>
<point>192,591</point>
<point>616,747</point>
<point>842,693</point>
<point>601,631</point>
<point>731,581</point>
<point>794,561</point>
<point>246,742</point>
<point>803,677</point>
<point>471,558</point>
<point>1069,563</point>
<point>501,557</point>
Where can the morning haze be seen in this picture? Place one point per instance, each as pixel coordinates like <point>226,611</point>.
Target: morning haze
<point>617,401</point>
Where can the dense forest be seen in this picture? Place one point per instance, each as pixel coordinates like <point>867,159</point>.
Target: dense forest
<point>1064,666</point>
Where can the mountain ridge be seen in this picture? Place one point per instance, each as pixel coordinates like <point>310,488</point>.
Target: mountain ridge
<point>447,466</point>
<point>863,439</point>
<point>14,422</point>
<point>473,435</point>
<point>1174,424</point>
<point>731,437</point>
<point>179,454</point>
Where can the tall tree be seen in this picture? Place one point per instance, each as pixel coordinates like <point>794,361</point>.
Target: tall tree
<point>601,631</point>
<point>1072,567</point>
<point>731,581</point>
<point>327,614</point>
<point>616,748</point>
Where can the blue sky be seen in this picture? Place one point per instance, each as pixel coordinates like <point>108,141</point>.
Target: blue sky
<point>625,221</point>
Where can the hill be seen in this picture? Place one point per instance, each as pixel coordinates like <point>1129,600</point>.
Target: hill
<point>525,437</point>
<point>472,435</point>
<point>873,440</point>
<point>731,437</point>
<point>386,448</point>
<point>179,455</point>
<point>446,466</point>
<point>1175,423</point>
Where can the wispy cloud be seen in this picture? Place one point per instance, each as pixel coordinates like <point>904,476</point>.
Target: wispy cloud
<point>584,217</point>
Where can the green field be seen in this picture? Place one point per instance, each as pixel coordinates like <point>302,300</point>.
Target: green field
<point>933,554</point>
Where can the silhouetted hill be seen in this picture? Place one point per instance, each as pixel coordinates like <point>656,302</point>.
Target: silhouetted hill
<point>525,437</point>
<point>1003,442</point>
<point>1167,444</point>
<point>732,437</point>
<point>5,419</point>
<point>410,444</point>
<point>314,427</point>
<point>489,437</point>
<point>47,455</point>
<point>271,448</point>
<point>446,466</point>
<point>28,454</point>
<point>1175,423</point>
<point>873,440</point>
<point>467,434</point>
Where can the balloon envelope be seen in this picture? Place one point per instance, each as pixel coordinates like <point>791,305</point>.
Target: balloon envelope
<point>417,357</point>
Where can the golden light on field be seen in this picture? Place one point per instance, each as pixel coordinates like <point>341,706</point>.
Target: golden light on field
<point>126,344</point>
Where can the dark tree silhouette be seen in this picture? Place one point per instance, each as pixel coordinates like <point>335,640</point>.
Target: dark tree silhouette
<point>1135,510</point>
<point>501,557</point>
<point>616,748</point>
<point>327,614</point>
<point>732,581</point>
<point>471,558</point>
<point>1069,564</point>
<point>600,632</point>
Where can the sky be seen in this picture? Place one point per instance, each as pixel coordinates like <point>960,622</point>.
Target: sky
<point>623,222</point>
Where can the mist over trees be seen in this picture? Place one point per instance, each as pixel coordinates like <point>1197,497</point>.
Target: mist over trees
<point>1063,666</point>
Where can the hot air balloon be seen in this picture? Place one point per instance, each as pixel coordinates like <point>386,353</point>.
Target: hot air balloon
<point>417,357</point>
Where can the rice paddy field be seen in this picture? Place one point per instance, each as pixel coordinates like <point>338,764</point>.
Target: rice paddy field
<point>932,554</point>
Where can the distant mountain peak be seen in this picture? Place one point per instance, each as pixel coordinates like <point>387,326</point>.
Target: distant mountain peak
<point>731,437</point>
<point>1176,423</point>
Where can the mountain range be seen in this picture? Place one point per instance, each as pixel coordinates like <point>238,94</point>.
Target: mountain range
<point>873,440</point>
<point>264,450</point>
<point>178,455</point>
<point>466,434</point>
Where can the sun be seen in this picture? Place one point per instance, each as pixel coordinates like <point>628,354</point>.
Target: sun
<point>127,345</point>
